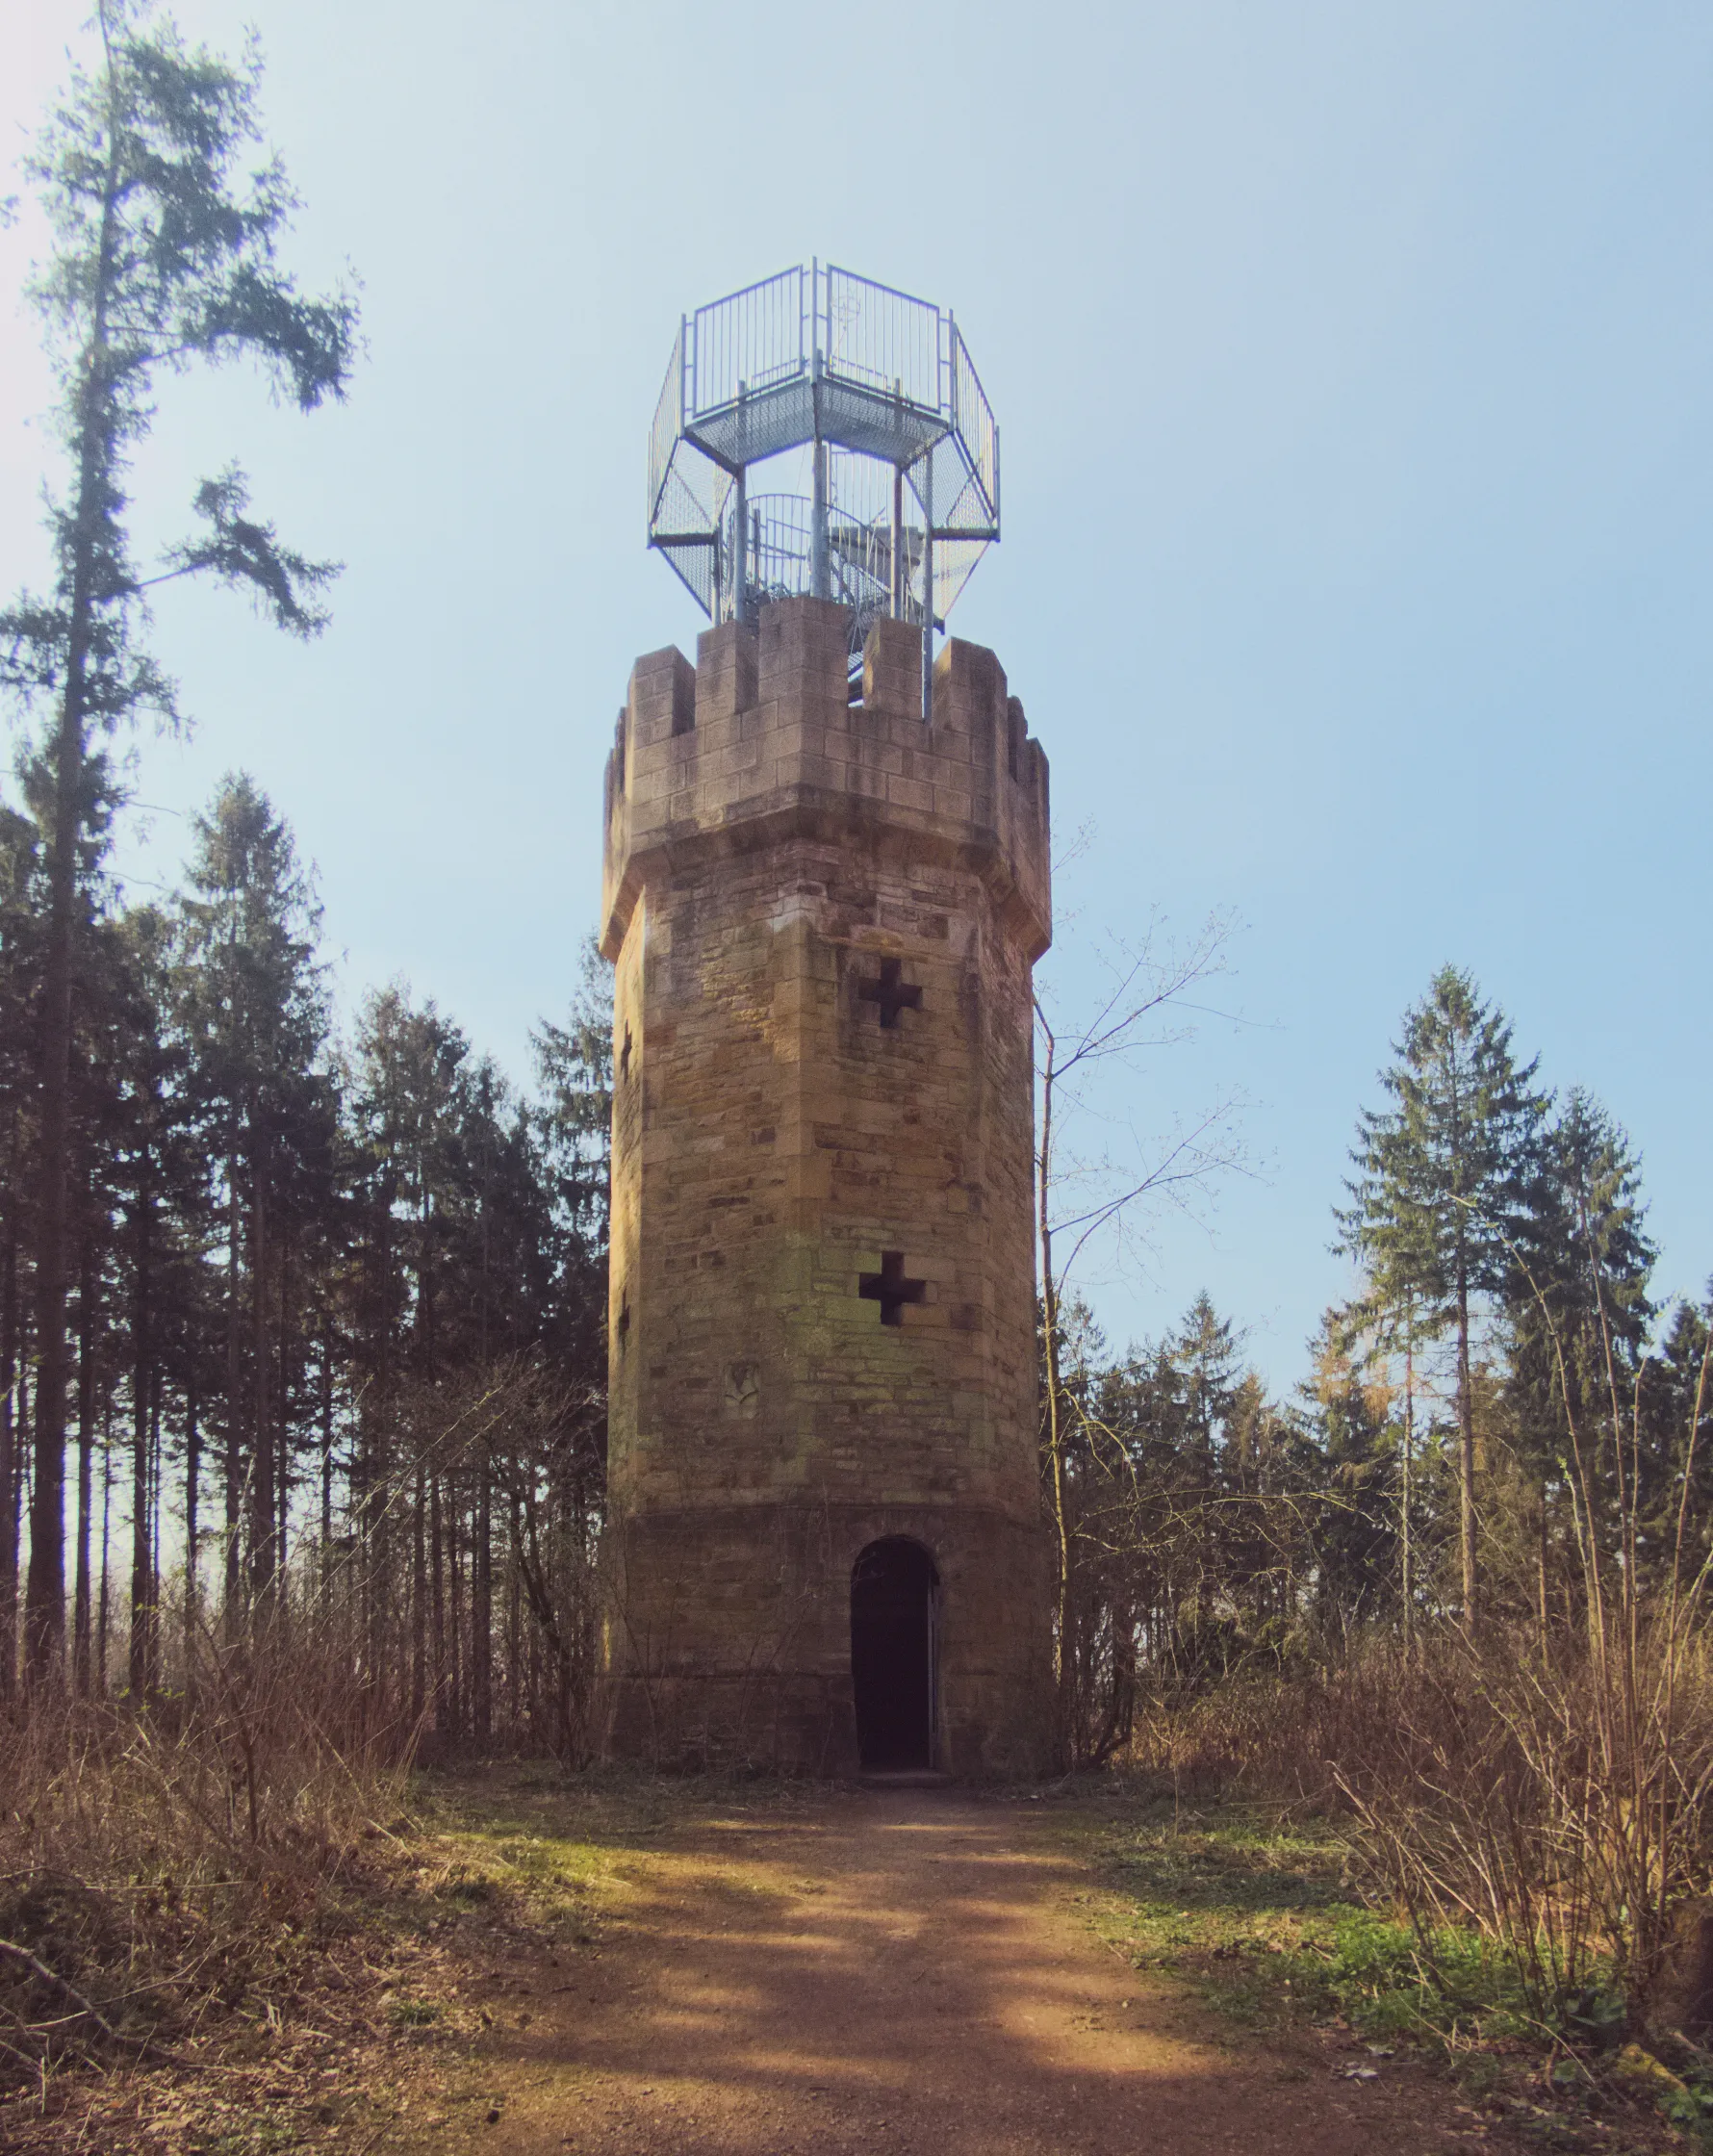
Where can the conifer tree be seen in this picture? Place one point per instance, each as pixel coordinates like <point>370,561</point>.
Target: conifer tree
<point>1675,1425</point>
<point>253,1009</point>
<point>1580,1314</point>
<point>1444,1183</point>
<point>1358,1514</point>
<point>163,254</point>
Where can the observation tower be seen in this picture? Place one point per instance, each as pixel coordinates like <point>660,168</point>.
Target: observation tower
<point>825,887</point>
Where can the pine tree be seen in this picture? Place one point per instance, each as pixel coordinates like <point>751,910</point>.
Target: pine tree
<point>573,1126</point>
<point>1357,1510</point>
<point>1444,1191</point>
<point>1579,1317</point>
<point>1675,1431</point>
<point>253,1008</point>
<point>163,254</point>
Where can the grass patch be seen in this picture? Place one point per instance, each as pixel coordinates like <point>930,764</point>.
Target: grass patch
<point>415,2013</point>
<point>1257,1914</point>
<point>1261,1914</point>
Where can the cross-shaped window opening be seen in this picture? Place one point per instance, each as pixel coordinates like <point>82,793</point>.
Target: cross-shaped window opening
<point>624,1056</point>
<point>889,1288</point>
<point>623,1323</point>
<point>890,993</point>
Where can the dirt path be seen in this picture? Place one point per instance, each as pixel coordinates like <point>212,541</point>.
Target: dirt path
<point>902,1971</point>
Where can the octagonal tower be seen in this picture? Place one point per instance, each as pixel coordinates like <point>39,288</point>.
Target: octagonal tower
<point>826,885</point>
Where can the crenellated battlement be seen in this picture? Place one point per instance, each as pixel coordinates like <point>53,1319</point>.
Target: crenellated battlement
<point>760,739</point>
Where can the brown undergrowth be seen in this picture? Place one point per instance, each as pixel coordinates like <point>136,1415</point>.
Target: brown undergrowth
<point>331,1981</point>
<point>175,1872</point>
<point>1551,1796</point>
<point>1520,1824</point>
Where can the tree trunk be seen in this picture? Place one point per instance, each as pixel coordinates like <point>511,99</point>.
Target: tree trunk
<point>1465,1463</point>
<point>418,1599</point>
<point>263,1539</point>
<point>283,1473</point>
<point>143,1373</point>
<point>44,1613</point>
<point>106,1546</point>
<point>482,1608</point>
<point>81,1673</point>
<point>192,1490</point>
<point>44,1610</point>
<point>233,1465</point>
<point>1409,1466</point>
<point>11,1453</point>
<point>153,1604</point>
<point>326,1454</point>
<point>523,1698</point>
<point>437,1604</point>
<point>1055,1413</point>
<point>455,1620</point>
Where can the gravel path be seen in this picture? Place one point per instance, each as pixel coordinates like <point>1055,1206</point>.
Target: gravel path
<point>902,1971</point>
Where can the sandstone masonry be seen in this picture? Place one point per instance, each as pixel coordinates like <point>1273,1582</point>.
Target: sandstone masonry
<point>823,916</point>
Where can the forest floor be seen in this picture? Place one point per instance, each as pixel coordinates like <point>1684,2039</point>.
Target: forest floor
<point>626,1968</point>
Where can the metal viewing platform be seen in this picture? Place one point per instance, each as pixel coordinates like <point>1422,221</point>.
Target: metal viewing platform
<point>877,392</point>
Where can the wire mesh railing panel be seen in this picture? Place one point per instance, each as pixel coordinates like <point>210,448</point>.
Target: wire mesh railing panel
<point>690,497</point>
<point>959,502</point>
<point>953,561</point>
<point>973,418</point>
<point>965,516</point>
<point>882,337</point>
<point>695,569</point>
<point>669,421</point>
<point>753,337</point>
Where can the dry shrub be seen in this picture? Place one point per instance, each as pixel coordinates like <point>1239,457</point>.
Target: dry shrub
<point>1281,1735</point>
<point>1554,1795</point>
<point>158,1861</point>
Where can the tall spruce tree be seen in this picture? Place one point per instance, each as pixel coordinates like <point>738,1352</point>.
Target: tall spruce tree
<point>253,1009</point>
<point>1445,1190</point>
<point>1675,1431</point>
<point>1358,1512</point>
<point>1580,1322</point>
<point>163,253</point>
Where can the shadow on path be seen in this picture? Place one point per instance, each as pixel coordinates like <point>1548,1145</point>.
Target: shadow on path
<point>897,1971</point>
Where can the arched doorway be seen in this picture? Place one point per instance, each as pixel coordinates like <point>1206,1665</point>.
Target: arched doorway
<point>893,1590</point>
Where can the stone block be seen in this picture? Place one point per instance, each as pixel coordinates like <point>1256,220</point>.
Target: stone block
<point>892,671</point>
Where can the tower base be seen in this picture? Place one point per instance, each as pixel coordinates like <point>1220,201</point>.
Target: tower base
<point>731,1641</point>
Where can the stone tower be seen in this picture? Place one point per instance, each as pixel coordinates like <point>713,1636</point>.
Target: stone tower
<point>825,1538</point>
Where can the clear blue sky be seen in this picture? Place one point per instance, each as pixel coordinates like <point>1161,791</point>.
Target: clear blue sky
<point>1353,364</point>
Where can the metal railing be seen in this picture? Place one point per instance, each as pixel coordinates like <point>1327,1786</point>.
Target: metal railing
<point>779,557</point>
<point>972,420</point>
<point>881,387</point>
<point>669,424</point>
<point>750,340</point>
<point>869,335</point>
<point>879,338</point>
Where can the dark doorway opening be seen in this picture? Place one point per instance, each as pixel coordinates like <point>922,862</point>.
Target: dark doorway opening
<point>893,1588</point>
